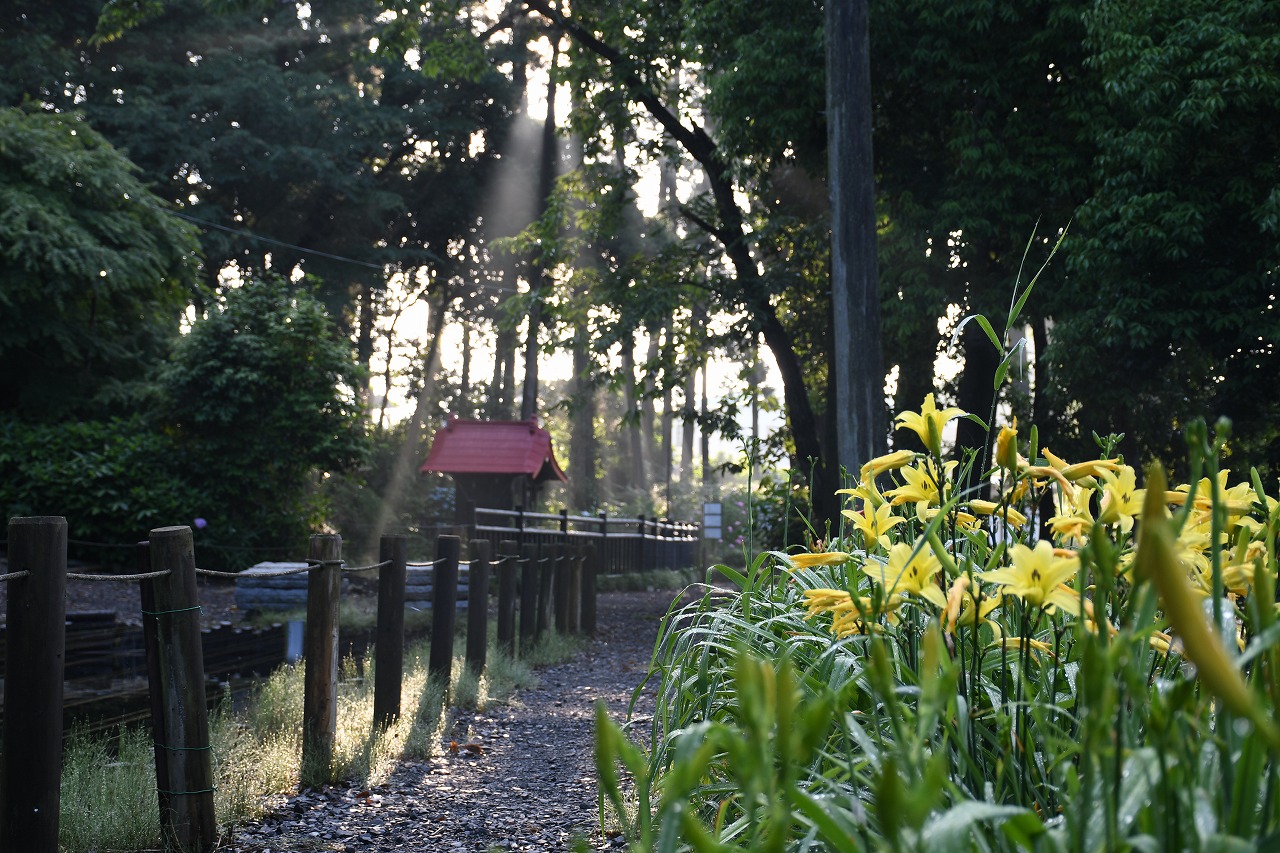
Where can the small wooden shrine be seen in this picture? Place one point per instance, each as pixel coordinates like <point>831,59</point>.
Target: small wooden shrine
<point>494,464</point>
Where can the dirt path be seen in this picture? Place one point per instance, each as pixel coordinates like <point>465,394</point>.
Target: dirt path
<point>532,789</point>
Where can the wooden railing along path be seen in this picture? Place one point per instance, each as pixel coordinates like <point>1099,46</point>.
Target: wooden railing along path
<point>623,545</point>
<point>538,585</point>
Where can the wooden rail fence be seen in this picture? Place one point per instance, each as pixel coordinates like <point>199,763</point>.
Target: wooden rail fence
<point>623,545</point>
<point>539,584</point>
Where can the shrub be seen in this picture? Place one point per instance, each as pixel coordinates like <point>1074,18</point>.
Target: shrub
<point>114,480</point>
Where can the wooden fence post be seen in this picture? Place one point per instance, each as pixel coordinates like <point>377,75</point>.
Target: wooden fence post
<point>507,555</point>
<point>35,646</point>
<point>561,588</point>
<point>478,607</point>
<point>529,581</point>
<point>320,658</point>
<point>155,690</point>
<point>604,536</point>
<point>444,606</point>
<point>189,821</point>
<point>546,581</point>
<point>575,588</point>
<point>646,552</point>
<point>388,668</point>
<point>590,567</point>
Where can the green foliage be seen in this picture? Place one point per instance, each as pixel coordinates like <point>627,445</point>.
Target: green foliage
<point>765,79</point>
<point>256,404</point>
<point>113,480</point>
<point>92,270</point>
<point>260,393</point>
<point>1177,256</point>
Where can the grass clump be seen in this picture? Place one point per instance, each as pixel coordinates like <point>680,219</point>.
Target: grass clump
<point>108,784</point>
<point>109,792</point>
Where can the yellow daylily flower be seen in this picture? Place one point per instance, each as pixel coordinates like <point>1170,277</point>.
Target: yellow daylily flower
<point>922,486</point>
<point>874,524</point>
<point>826,600</point>
<point>928,423</point>
<point>1121,498</point>
<point>1037,576</point>
<point>1091,620</point>
<point>1072,528</point>
<point>847,617</point>
<point>1079,470</point>
<point>961,611</point>
<point>889,462</point>
<point>1238,499</point>
<point>1008,513</point>
<point>866,491</point>
<point>906,573</point>
<point>963,520</point>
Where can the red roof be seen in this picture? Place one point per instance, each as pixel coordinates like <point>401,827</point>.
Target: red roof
<point>494,447</point>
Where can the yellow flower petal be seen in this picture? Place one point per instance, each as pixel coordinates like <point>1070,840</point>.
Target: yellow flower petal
<point>825,558</point>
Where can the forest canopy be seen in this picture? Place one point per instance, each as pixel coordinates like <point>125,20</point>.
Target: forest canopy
<point>667,211</point>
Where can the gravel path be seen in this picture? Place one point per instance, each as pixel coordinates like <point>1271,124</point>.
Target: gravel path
<point>531,788</point>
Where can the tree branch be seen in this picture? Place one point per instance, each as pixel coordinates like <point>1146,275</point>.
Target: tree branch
<point>694,139</point>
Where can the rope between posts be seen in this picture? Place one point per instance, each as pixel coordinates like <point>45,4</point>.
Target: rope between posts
<point>15,575</point>
<point>77,576</point>
<point>213,574</point>
<point>166,612</point>
<point>383,564</point>
<point>437,562</point>
<point>272,574</point>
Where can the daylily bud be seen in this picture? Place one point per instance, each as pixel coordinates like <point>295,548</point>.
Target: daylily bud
<point>1007,447</point>
<point>888,462</point>
<point>826,558</point>
<point>1157,562</point>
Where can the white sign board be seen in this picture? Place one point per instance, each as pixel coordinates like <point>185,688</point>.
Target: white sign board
<point>712,521</point>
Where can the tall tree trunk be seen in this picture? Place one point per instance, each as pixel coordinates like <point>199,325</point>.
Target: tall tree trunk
<point>706,439</point>
<point>501,388</point>
<point>855,299</point>
<point>463,406</point>
<point>688,426</point>
<point>668,448</point>
<point>648,419</point>
<point>1039,413</point>
<point>582,433</point>
<point>539,275</point>
<point>635,436</point>
<point>364,341</point>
